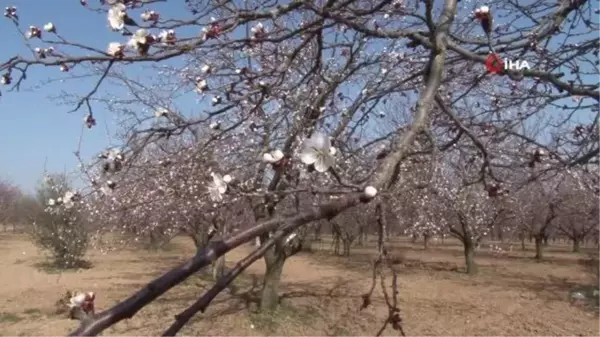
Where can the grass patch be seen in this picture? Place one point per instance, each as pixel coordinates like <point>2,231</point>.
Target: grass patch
<point>9,317</point>
<point>50,267</point>
<point>285,315</point>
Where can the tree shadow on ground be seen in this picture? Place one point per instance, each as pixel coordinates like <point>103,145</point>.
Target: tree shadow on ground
<point>337,287</point>
<point>52,267</point>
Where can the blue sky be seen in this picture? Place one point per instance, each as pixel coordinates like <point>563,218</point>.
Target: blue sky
<point>35,130</point>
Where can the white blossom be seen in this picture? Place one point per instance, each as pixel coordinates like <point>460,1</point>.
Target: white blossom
<point>201,85</point>
<point>78,300</point>
<point>370,191</point>
<point>115,49</point>
<point>167,36</point>
<point>218,187</point>
<point>206,69</point>
<point>33,32</point>
<point>150,16</point>
<point>140,37</point>
<point>161,112</point>
<point>116,16</point>
<point>115,154</point>
<point>50,28</point>
<point>318,151</point>
<point>290,237</point>
<point>273,156</point>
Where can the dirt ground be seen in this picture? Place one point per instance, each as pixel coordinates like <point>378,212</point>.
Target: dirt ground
<point>512,295</point>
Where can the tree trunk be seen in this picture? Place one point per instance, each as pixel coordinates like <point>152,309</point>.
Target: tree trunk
<point>336,244</point>
<point>523,243</point>
<point>426,242</point>
<point>347,244</point>
<point>414,238</point>
<point>274,261</point>
<point>317,232</point>
<point>576,245</point>
<point>360,242</point>
<point>470,264</point>
<point>539,248</point>
<point>218,268</point>
<point>545,241</point>
<point>200,239</point>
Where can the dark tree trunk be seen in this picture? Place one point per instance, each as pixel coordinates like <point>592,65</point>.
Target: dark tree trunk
<point>317,232</point>
<point>523,243</point>
<point>426,242</point>
<point>274,260</point>
<point>361,236</point>
<point>469,250</point>
<point>576,245</point>
<point>545,241</point>
<point>336,244</point>
<point>539,247</point>
<point>347,243</point>
<point>200,238</point>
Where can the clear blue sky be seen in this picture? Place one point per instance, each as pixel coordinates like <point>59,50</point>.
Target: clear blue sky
<point>35,130</point>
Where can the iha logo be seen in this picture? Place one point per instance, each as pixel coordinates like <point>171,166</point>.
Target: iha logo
<point>494,64</point>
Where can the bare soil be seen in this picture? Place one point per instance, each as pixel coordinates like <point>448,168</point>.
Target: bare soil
<point>512,294</point>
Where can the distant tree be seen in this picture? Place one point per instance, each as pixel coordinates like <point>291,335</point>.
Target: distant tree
<point>10,196</point>
<point>59,226</point>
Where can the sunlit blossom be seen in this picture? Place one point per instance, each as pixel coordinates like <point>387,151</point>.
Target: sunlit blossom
<point>116,49</point>
<point>141,41</point>
<point>201,85</point>
<point>33,32</point>
<point>50,28</point>
<point>167,36</point>
<point>318,151</point>
<point>85,301</point>
<point>273,156</point>
<point>150,16</point>
<point>370,192</point>
<point>218,186</point>
<point>161,112</point>
<point>117,15</point>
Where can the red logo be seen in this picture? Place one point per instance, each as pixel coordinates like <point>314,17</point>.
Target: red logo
<point>494,64</point>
